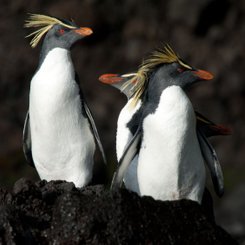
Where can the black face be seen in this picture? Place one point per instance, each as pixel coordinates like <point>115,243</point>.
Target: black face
<point>60,36</point>
<point>63,37</point>
<point>177,74</point>
<point>174,74</point>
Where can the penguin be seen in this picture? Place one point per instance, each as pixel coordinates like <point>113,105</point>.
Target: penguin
<point>171,137</point>
<point>59,136</point>
<point>125,130</point>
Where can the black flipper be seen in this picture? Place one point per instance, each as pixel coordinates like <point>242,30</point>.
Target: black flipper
<point>90,119</point>
<point>27,141</point>
<point>130,152</point>
<point>212,162</point>
<point>95,132</point>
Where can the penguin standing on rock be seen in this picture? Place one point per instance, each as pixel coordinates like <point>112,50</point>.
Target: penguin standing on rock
<point>59,132</point>
<point>171,146</point>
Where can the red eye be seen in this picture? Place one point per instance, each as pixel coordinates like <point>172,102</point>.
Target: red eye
<point>61,31</point>
<point>181,69</point>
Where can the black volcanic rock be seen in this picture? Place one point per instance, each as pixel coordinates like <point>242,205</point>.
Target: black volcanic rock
<point>58,213</point>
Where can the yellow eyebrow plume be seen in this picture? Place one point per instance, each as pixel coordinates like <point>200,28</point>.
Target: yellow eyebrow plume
<point>161,56</point>
<point>44,23</point>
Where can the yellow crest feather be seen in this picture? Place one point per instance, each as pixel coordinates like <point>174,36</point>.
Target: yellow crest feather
<point>45,23</point>
<point>161,56</point>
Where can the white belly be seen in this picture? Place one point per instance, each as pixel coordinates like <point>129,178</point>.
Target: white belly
<point>123,138</point>
<point>170,165</point>
<point>62,143</point>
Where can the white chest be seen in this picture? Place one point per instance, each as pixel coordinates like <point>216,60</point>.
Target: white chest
<point>170,161</point>
<point>123,137</point>
<point>123,133</point>
<point>54,82</point>
<point>62,143</point>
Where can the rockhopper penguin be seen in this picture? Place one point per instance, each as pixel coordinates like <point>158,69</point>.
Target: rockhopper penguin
<point>170,144</point>
<point>59,132</point>
<point>128,122</point>
<point>124,131</point>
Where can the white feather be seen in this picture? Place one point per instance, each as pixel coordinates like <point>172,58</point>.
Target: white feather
<point>123,138</point>
<point>62,143</point>
<point>123,133</point>
<point>129,75</point>
<point>170,165</point>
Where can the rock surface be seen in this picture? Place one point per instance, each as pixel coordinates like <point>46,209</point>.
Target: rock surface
<point>57,213</point>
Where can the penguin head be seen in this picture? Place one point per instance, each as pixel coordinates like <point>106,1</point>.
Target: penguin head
<point>64,37</point>
<point>162,69</point>
<point>120,82</point>
<point>58,32</point>
<point>178,73</point>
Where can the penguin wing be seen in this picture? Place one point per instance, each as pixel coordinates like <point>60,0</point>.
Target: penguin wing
<point>95,132</point>
<point>130,152</point>
<point>212,162</point>
<point>27,141</point>
<point>209,128</point>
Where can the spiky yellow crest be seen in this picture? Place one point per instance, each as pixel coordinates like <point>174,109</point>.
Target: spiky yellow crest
<point>44,23</point>
<point>161,56</point>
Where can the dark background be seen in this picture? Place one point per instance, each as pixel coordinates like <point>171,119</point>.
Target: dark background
<point>207,34</point>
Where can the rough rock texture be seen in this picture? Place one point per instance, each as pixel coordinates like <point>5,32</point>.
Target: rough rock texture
<point>58,213</point>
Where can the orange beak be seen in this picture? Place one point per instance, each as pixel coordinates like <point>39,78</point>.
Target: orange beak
<point>84,31</point>
<point>110,78</point>
<point>203,75</point>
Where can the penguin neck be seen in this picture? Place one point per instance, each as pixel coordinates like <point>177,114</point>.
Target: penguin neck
<point>56,58</point>
<point>155,89</point>
<point>47,47</point>
<point>174,100</point>
<point>157,84</point>
<point>56,76</point>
